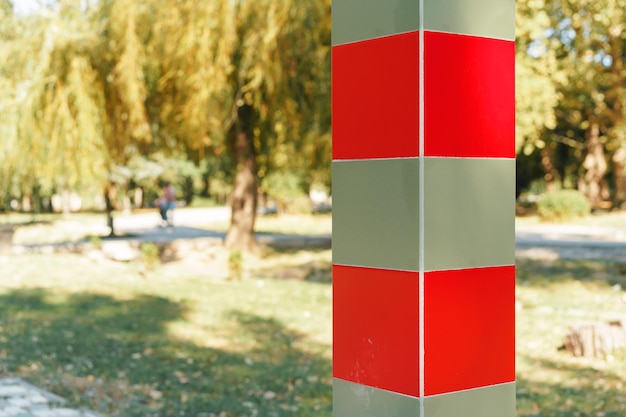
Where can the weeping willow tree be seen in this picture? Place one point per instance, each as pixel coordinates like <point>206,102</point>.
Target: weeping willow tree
<point>90,85</point>
<point>8,114</point>
<point>73,84</point>
<point>52,126</point>
<point>246,80</point>
<point>280,79</point>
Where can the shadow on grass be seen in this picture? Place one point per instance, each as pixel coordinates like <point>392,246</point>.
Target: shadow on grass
<point>583,391</point>
<point>116,357</point>
<point>539,273</point>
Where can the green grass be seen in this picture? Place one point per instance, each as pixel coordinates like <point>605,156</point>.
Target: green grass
<point>317,224</point>
<point>553,296</point>
<point>295,224</point>
<point>180,340</point>
<point>171,344</point>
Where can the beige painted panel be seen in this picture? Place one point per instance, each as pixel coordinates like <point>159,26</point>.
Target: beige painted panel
<point>469,213</point>
<point>357,20</point>
<point>376,213</point>
<point>488,18</point>
<point>354,400</point>
<point>495,401</point>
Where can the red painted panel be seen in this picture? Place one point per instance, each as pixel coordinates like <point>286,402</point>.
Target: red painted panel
<point>375,328</point>
<point>469,329</point>
<point>469,96</point>
<point>375,98</point>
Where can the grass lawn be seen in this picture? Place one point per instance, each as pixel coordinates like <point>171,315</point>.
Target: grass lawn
<point>170,344</point>
<point>317,224</point>
<point>180,341</point>
<point>552,296</point>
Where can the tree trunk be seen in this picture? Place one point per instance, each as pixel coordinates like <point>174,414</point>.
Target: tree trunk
<point>595,339</point>
<point>619,172</point>
<point>138,197</point>
<point>243,200</point>
<point>109,198</point>
<point>27,205</point>
<point>593,184</point>
<point>551,174</point>
<point>127,206</point>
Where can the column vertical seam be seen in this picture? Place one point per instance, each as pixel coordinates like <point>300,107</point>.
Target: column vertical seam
<point>421,204</point>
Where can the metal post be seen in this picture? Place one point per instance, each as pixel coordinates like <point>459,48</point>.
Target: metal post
<point>423,208</point>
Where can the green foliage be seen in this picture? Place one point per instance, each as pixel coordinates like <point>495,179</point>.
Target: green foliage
<point>98,91</point>
<point>299,205</point>
<point>570,92</point>
<point>562,205</point>
<point>536,75</point>
<point>284,186</point>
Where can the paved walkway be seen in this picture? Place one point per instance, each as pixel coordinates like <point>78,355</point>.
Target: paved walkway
<point>192,225</point>
<point>571,242</point>
<point>21,399</point>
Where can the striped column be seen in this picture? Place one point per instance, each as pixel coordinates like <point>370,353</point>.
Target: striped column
<point>423,208</point>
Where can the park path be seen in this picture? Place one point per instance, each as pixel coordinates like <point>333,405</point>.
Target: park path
<point>561,241</point>
<point>21,399</point>
<point>188,217</point>
<point>191,225</point>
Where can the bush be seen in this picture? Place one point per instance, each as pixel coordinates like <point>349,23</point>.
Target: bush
<point>150,255</point>
<point>562,205</point>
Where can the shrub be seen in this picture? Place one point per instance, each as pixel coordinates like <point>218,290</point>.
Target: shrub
<point>562,205</point>
<point>150,255</point>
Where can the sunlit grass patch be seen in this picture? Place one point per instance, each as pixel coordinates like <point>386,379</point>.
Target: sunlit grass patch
<point>293,223</point>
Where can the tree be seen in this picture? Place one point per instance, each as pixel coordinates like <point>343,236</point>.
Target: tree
<point>250,80</point>
<point>97,84</point>
<point>281,66</point>
<point>537,75</point>
<point>54,129</point>
<point>576,61</point>
<point>588,38</point>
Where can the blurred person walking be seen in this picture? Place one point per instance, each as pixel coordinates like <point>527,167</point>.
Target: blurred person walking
<point>166,204</point>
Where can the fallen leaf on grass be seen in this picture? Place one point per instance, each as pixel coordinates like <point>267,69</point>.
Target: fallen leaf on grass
<point>182,378</point>
<point>269,395</point>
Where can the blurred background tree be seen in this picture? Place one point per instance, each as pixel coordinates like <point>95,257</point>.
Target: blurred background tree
<point>570,97</point>
<point>232,97</point>
<point>94,92</point>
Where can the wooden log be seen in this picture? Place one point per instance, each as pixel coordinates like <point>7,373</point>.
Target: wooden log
<point>595,340</point>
